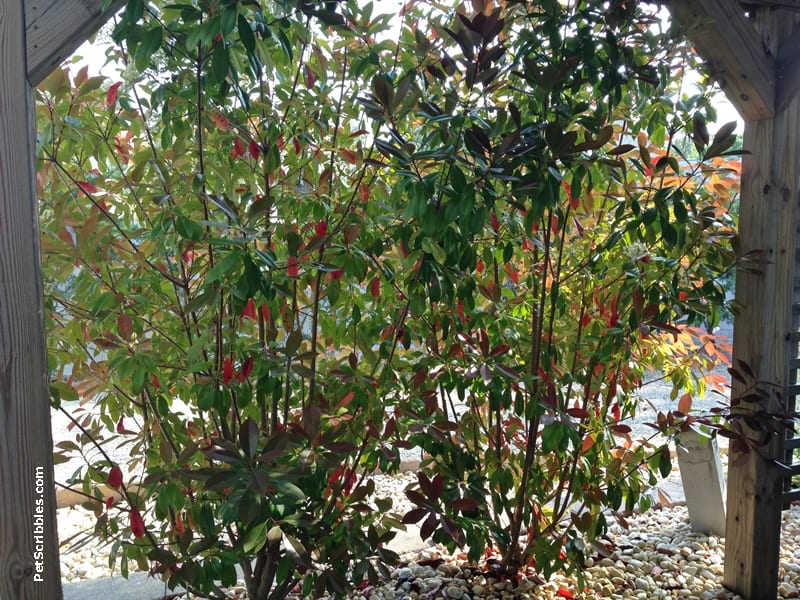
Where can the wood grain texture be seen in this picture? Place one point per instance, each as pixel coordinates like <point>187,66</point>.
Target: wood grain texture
<point>764,290</point>
<point>788,72</point>
<point>55,29</point>
<point>791,4</point>
<point>733,50</point>
<point>25,436</point>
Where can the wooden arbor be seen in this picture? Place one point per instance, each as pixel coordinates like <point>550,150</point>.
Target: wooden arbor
<point>753,50</point>
<point>35,36</point>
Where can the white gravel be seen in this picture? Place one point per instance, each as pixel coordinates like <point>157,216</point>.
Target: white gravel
<point>657,556</point>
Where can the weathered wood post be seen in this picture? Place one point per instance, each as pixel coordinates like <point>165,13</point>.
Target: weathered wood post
<point>752,56</point>
<point>29,565</point>
<point>35,36</point>
<point>764,290</point>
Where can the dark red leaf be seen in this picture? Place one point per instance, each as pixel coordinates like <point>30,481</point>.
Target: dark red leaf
<point>254,149</point>
<point>429,526</point>
<point>465,504</point>
<point>425,484</point>
<point>137,523</point>
<point>227,371</point>
<point>417,498</point>
<point>115,477</point>
<point>437,487</point>
<point>578,413</point>
<point>414,515</point>
<point>247,367</point>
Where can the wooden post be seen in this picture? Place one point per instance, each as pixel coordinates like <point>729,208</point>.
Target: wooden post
<point>29,562</point>
<point>764,286</point>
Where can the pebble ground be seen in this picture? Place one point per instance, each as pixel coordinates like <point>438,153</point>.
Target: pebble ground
<point>656,556</point>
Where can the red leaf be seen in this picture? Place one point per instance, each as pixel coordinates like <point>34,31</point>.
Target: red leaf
<point>254,149</point>
<point>311,78</point>
<point>137,523</point>
<point>363,190</point>
<point>88,188</point>
<point>109,502</point>
<point>265,314</point>
<point>120,425</point>
<point>573,202</point>
<point>292,269</point>
<point>685,404</point>
<point>349,156</point>
<point>464,504</point>
<point>578,413</point>
<point>337,274</point>
<point>227,371</point>
<point>111,94</point>
<point>414,515</point>
<point>125,326</point>
<point>346,399</point>
<point>156,382</point>
<point>512,273</point>
<point>179,526</point>
<point>351,233</point>
<point>115,477</point>
<point>460,311</point>
<point>219,120</point>
<point>428,527</point>
<point>66,236</point>
<point>238,148</point>
<point>249,310</point>
<point>495,222</point>
<point>321,228</point>
<point>247,367</point>
<point>375,287</point>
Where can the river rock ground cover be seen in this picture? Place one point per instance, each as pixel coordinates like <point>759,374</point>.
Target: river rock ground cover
<point>650,555</point>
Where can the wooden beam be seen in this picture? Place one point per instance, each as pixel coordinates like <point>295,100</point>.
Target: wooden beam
<point>55,29</point>
<point>764,289</point>
<point>791,4</point>
<point>29,564</point>
<point>788,72</point>
<point>730,45</point>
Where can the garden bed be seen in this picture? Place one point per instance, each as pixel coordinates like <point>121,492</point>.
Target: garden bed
<point>650,555</point>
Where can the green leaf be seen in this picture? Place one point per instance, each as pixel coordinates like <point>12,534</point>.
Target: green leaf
<point>189,229</point>
<point>220,63</point>
<point>290,489</point>
<point>228,20</point>
<point>225,266</point>
<point>434,249</point>
<point>255,538</point>
<point>246,35</point>
<point>151,42</point>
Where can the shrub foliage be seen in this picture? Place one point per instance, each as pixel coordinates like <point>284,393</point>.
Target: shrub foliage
<point>290,240</point>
